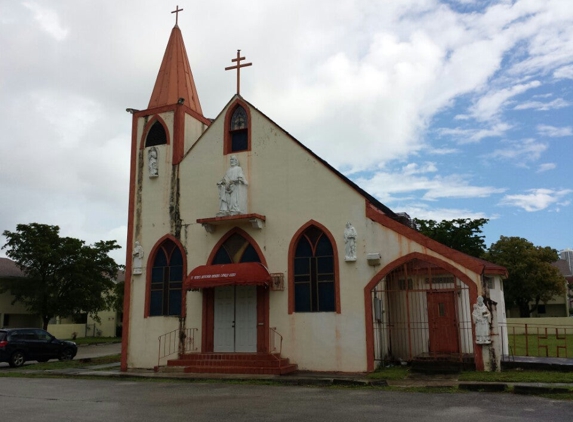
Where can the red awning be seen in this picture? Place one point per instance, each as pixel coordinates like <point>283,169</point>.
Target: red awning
<point>244,274</point>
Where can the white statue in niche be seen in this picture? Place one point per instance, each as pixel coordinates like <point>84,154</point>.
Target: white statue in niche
<point>152,155</point>
<point>137,258</point>
<point>350,242</point>
<point>233,190</point>
<point>482,319</point>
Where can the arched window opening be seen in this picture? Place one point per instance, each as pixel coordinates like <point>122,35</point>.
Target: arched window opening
<point>156,135</point>
<point>314,279</point>
<point>166,280</point>
<point>239,130</point>
<point>236,249</point>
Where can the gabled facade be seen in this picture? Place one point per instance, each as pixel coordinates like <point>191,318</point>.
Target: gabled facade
<point>244,242</point>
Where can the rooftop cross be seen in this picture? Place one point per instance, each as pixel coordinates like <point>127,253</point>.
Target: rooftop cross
<point>238,66</point>
<point>176,11</point>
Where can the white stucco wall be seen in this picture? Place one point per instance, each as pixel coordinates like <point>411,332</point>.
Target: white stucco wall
<point>290,187</point>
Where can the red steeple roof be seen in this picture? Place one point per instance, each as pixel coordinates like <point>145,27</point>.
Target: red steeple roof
<point>175,79</point>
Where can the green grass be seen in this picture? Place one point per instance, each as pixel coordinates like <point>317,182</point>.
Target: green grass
<point>96,340</point>
<point>533,345</point>
<point>512,375</point>
<point>392,373</point>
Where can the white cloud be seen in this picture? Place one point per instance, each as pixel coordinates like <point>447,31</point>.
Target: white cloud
<point>553,131</point>
<point>358,83</point>
<point>424,212</point>
<point>443,151</point>
<point>540,106</point>
<point>565,72</point>
<point>521,152</point>
<point>465,136</point>
<point>546,167</point>
<point>48,20</point>
<point>388,186</point>
<point>537,199</point>
<point>491,104</point>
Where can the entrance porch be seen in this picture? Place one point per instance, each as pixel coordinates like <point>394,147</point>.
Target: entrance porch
<point>421,315</point>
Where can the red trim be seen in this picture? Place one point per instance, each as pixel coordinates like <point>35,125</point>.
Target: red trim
<point>150,122</point>
<point>208,331</point>
<point>208,323</point>
<point>262,318</point>
<point>474,264</point>
<point>387,269</point>
<point>128,247</point>
<point>242,274</point>
<point>163,109</point>
<point>227,131</point>
<point>291,253</point>
<point>149,268</point>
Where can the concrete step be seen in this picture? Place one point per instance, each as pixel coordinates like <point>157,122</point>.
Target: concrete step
<point>241,370</point>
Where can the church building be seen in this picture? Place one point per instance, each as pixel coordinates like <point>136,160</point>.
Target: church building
<point>248,253</point>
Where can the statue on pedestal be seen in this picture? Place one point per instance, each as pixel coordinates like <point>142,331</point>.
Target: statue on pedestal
<point>350,242</point>
<point>233,190</point>
<point>482,319</point>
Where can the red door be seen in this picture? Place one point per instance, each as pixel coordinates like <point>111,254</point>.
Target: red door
<point>442,322</point>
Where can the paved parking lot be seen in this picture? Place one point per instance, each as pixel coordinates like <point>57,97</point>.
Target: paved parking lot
<point>34,399</point>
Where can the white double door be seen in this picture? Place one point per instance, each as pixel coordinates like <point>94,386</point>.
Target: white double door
<point>235,319</point>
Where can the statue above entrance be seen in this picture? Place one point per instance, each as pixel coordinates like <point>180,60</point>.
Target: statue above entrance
<point>233,190</point>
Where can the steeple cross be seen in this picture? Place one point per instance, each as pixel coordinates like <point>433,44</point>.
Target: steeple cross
<point>238,66</point>
<point>176,11</point>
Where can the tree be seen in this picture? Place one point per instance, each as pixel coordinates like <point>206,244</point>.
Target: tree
<point>462,234</point>
<point>531,278</point>
<point>63,275</point>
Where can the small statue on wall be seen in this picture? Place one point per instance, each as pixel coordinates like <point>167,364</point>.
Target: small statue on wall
<point>137,258</point>
<point>233,190</point>
<point>482,319</point>
<point>350,242</point>
<point>152,155</point>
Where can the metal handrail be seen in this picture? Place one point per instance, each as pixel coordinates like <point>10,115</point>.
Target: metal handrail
<point>274,335</point>
<point>176,341</point>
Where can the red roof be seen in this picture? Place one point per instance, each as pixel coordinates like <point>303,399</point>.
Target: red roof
<point>8,268</point>
<point>244,274</point>
<point>175,79</point>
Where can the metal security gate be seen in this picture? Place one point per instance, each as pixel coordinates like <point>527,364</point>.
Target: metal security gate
<point>421,311</point>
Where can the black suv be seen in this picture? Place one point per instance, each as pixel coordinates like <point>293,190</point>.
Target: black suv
<point>17,345</point>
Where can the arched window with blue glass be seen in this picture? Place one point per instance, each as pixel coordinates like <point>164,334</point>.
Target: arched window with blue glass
<point>236,249</point>
<point>314,272</point>
<point>166,280</point>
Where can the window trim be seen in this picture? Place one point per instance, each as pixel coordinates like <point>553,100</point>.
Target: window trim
<point>147,128</point>
<point>149,273</point>
<point>291,255</point>
<point>246,236</point>
<point>227,144</point>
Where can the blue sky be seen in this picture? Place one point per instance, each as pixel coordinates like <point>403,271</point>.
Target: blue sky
<point>441,109</point>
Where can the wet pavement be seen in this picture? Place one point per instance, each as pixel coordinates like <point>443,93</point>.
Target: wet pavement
<point>310,378</point>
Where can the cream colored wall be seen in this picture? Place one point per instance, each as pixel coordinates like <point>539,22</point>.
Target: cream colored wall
<point>153,199</point>
<point>19,316</point>
<point>6,306</point>
<point>106,326</point>
<point>290,187</point>
<point>66,331</point>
